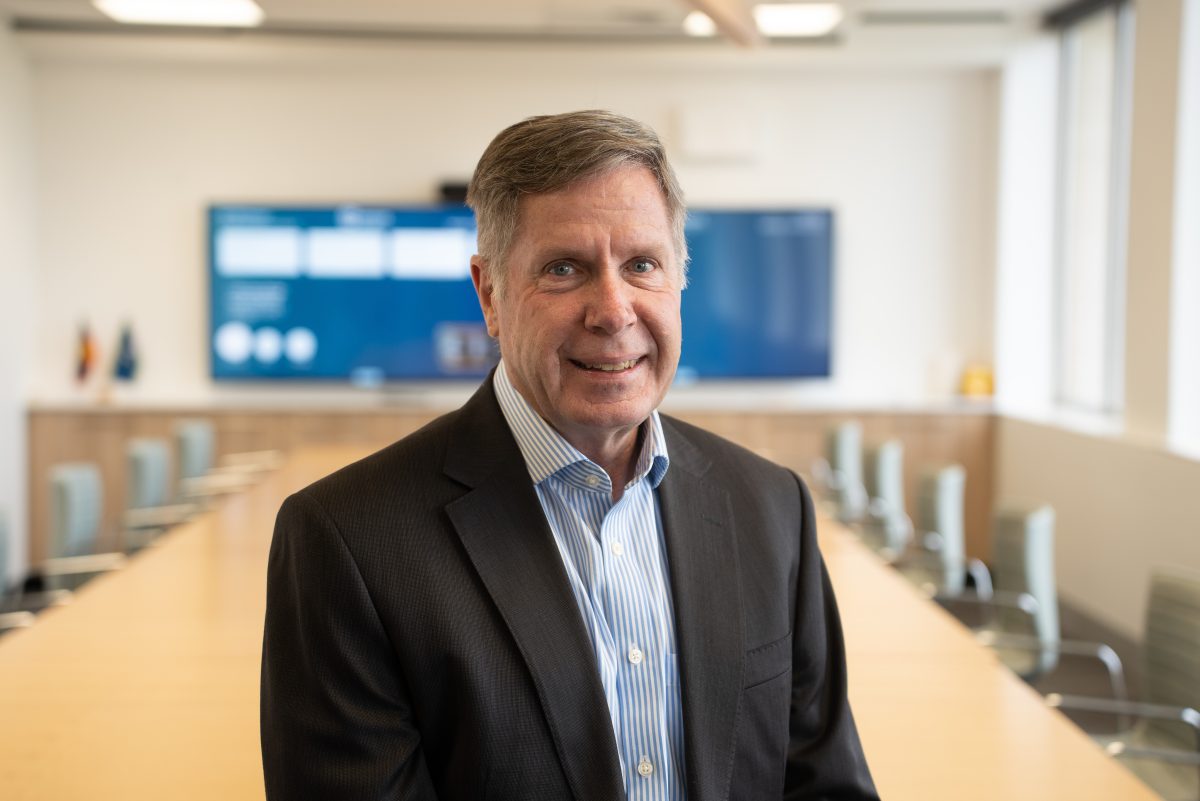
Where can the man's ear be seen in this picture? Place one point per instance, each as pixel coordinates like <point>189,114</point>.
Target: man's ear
<point>486,291</point>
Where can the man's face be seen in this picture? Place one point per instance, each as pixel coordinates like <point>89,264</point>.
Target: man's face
<point>588,321</point>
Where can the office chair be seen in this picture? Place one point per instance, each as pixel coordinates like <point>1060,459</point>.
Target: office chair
<point>937,562</point>
<point>148,507</point>
<point>11,617</point>
<point>839,473</point>
<point>886,527</point>
<point>195,446</point>
<point>76,506</point>
<point>200,479</point>
<point>1160,736</point>
<point>1022,623</point>
<point>1025,593</point>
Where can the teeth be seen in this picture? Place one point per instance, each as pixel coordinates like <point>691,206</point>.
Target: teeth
<point>612,368</point>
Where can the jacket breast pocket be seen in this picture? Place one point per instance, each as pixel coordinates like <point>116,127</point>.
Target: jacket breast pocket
<point>760,761</point>
<point>767,662</point>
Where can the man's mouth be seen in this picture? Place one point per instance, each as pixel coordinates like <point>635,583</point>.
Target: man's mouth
<point>606,367</point>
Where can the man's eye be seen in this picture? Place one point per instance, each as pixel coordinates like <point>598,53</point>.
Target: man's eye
<point>642,266</point>
<point>562,268</point>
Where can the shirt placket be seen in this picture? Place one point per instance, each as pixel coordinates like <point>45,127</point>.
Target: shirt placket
<point>637,635</point>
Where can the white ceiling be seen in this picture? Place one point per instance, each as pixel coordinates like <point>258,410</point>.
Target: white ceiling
<point>503,17</point>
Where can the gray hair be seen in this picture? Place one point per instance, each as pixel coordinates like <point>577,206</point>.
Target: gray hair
<point>551,152</point>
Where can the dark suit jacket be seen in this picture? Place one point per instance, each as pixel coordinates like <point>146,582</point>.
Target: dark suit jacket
<point>422,640</point>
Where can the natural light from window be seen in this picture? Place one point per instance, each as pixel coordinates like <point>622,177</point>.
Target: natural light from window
<point>1092,197</point>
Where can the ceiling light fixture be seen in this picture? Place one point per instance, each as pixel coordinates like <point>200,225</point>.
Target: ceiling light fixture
<point>216,13</point>
<point>797,19</point>
<point>699,24</point>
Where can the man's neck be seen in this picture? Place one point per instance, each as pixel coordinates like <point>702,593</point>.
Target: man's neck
<point>618,457</point>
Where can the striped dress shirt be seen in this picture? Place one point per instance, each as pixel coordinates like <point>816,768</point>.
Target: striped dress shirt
<point>615,558</point>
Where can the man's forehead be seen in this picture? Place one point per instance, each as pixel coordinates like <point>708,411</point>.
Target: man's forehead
<point>617,192</point>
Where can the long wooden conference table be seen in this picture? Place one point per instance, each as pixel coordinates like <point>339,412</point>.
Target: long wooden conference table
<point>146,687</point>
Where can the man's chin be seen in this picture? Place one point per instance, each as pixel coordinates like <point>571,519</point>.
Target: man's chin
<point>601,419</point>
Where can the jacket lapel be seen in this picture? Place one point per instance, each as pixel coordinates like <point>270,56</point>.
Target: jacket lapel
<point>506,537</point>
<point>702,554</point>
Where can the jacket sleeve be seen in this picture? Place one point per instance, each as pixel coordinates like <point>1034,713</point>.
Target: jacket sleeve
<point>825,758</point>
<point>336,722</point>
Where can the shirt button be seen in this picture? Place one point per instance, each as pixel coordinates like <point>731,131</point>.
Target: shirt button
<point>593,481</point>
<point>635,655</point>
<point>645,768</point>
<point>618,549</point>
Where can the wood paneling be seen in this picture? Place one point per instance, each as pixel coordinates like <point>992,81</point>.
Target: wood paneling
<point>793,439</point>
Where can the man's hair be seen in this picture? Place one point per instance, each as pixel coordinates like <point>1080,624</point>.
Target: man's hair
<point>549,153</point>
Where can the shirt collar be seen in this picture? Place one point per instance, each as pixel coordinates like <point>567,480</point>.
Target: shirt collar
<point>547,452</point>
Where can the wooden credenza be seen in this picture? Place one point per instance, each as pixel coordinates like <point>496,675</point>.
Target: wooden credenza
<point>791,438</point>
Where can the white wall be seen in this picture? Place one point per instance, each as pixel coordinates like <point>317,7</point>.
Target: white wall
<point>17,191</point>
<point>136,139</point>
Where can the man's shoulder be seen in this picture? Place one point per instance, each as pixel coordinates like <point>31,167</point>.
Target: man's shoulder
<point>419,461</point>
<point>417,457</point>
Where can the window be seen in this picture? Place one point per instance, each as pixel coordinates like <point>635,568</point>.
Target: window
<point>1095,83</point>
<point>1185,289</point>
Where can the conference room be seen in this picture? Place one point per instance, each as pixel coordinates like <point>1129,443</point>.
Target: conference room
<point>943,266</point>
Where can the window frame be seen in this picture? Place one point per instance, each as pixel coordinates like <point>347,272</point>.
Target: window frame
<point>1111,401</point>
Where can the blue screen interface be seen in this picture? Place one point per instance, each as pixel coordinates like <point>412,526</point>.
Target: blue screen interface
<point>373,294</point>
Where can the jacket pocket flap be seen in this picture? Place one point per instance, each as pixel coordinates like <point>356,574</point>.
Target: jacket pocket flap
<point>768,661</point>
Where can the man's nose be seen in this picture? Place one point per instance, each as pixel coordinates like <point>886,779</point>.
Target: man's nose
<point>610,304</point>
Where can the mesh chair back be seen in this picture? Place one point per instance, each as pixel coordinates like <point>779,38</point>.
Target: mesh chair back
<point>884,480</point>
<point>195,444</point>
<point>76,504</point>
<point>844,446</point>
<point>884,476</point>
<point>1172,649</point>
<point>1023,562</point>
<point>940,512</point>
<point>149,465</point>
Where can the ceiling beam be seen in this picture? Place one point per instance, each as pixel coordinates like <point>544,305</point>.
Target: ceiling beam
<point>733,18</point>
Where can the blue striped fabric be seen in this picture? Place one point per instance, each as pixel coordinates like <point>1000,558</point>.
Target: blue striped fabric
<point>616,560</point>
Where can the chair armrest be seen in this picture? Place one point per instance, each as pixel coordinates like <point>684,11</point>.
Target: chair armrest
<point>89,563</point>
<point>158,516</point>
<point>41,599</point>
<point>981,577</point>
<point>877,509</point>
<point>216,484</point>
<point>1093,650</point>
<point>1122,749</point>
<point>16,620</point>
<point>1018,601</point>
<point>1135,709</point>
<point>1021,601</point>
<point>254,461</point>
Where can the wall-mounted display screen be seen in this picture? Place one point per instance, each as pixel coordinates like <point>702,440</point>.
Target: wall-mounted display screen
<point>373,294</point>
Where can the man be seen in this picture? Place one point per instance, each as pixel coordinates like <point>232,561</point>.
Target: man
<point>555,592</point>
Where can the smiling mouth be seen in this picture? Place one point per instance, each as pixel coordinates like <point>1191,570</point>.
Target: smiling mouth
<point>607,367</point>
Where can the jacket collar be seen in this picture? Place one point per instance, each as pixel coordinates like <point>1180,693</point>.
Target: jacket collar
<point>507,539</point>
<point>703,557</point>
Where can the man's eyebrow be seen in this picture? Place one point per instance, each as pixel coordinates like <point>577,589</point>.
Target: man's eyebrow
<point>572,252</point>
